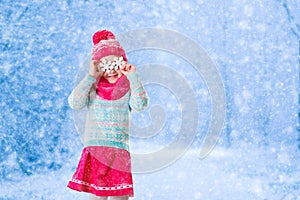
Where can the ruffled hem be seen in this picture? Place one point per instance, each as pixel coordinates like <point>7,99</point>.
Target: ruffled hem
<point>81,186</point>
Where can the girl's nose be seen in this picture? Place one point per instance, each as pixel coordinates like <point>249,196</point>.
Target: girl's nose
<point>112,71</point>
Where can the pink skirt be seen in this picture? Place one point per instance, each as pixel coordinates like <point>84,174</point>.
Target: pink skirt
<point>103,171</point>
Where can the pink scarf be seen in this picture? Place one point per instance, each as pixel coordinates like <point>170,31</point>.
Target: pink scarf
<point>113,91</point>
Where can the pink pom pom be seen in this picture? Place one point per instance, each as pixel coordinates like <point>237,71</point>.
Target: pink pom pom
<point>102,35</point>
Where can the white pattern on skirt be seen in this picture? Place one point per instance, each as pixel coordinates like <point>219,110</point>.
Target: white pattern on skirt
<point>101,188</point>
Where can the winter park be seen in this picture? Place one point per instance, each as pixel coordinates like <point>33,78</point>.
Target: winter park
<point>222,78</point>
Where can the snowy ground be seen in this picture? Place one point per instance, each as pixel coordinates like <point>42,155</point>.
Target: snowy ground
<point>231,174</point>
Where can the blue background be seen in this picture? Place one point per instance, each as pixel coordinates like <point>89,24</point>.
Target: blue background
<point>255,45</point>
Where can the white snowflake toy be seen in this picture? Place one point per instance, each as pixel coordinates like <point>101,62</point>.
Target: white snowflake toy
<point>107,65</point>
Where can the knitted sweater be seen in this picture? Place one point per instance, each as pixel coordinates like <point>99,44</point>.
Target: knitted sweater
<point>107,121</point>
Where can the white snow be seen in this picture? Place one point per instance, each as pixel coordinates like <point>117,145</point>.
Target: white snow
<point>255,45</point>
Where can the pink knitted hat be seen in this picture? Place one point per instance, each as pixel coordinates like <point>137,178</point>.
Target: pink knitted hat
<point>105,44</point>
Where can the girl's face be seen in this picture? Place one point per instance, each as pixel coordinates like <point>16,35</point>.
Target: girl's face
<point>111,67</point>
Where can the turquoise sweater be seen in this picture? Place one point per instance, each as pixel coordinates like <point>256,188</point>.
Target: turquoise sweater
<point>107,121</point>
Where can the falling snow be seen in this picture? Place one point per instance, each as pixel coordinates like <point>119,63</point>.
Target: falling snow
<point>255,45</point>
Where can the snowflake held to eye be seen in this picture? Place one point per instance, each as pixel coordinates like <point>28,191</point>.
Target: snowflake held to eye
<point>119,61</point>
<point>108,65</point>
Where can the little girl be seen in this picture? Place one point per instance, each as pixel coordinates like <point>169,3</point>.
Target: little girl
<point>110,91</point>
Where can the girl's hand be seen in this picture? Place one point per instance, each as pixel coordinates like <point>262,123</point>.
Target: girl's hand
<point>94,69</point>
<point>127,69</point>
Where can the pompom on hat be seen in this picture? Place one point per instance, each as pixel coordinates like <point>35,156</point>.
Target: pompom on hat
<point>105,44</point>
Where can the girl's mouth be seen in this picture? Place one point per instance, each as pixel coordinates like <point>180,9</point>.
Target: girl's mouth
<point>112,78</point>
<point>112,75</point>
